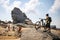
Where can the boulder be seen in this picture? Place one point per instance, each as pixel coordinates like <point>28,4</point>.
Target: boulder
<point>28,21</point>
<point>18,16</point>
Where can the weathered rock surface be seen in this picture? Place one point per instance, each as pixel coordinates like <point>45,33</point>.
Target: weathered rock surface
<point>25,25</point>
<point>28,21</point>
<point>32,34</point>
<point>18,16</point>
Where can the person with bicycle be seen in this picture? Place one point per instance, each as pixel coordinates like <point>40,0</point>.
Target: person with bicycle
<point>48,22</point>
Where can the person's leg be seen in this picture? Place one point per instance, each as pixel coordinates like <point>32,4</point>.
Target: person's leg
<point>19,31</point>
<point>13,28</point>
<point>8,27</point>
<point>49,29</point>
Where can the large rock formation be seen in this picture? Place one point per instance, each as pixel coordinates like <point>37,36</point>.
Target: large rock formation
<point>18,16</point>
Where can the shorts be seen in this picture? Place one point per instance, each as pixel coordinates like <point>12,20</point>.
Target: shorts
<point>48,25</point>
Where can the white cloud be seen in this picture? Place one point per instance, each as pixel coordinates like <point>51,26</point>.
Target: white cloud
<point>30,6</point>
<point>55,6</point>
<point>2,1</point>
<point>9,6</point>
<point>16,4</point>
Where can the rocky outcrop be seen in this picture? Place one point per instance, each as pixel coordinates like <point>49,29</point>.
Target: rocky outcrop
<point>28,21</point>
<point>18,16</point>
<point>32,34</point>
<point>25,25</point>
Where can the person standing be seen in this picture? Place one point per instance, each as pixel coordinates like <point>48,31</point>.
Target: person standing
<point>48,22</point>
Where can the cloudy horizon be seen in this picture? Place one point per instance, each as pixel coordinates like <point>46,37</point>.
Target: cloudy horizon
<point>34,9</point>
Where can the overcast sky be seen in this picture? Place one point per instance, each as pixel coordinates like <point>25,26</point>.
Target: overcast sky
<point>34,9</point>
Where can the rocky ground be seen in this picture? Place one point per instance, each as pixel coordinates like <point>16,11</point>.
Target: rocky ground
<point>29,34</point>
<point>32,34</point>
